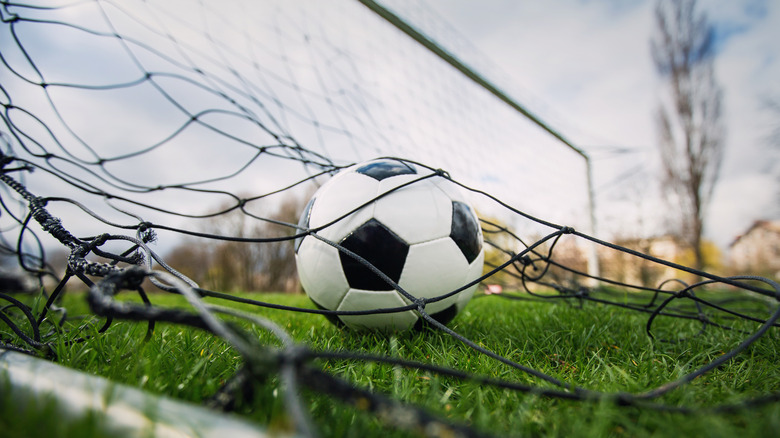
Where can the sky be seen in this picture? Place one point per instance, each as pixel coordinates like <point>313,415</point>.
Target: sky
<point>189,95</point>
<point>585,66</point>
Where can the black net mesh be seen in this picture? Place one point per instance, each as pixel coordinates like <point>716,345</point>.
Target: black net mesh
<point>145,143</point>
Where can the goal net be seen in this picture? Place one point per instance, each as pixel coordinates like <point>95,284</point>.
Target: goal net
<point>133,129</point>
<point>164,104</point>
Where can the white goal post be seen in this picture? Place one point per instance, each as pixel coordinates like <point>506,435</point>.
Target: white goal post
<point>123,410</point>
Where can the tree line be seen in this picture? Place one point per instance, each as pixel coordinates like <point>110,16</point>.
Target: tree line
<point>241,266</point>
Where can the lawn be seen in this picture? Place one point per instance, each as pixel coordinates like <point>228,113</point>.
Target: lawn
<point>594,346</point>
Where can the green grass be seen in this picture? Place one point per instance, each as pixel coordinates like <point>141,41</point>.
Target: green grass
<point>596,347</point>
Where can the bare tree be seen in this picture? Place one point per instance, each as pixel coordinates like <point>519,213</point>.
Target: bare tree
<point>277,259</point>
<point>233,264</point>
<point>228,265</point>
<point>689,122</point>
<point>193,259</point>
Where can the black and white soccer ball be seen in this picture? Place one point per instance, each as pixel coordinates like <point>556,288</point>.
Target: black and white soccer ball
<point>421,233</point>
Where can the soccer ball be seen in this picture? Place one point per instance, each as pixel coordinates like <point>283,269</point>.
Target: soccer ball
<point>419,232</point>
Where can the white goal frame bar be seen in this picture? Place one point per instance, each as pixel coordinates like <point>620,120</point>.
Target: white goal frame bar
<point>403,26</point>
<point>127,411</point>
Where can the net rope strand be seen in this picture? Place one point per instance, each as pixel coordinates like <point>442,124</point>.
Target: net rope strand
<point>49,163</point>
<point>129,278</point>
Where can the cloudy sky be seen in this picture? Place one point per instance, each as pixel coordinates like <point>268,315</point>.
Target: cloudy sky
<point>188,97</point>
<point>585,66</point>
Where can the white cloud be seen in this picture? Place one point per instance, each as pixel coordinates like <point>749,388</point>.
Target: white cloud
<point>586,67</point>
<point>736,205</point>
<point>344,83</point>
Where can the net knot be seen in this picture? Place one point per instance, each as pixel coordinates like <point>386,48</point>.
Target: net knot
<point>582,292</point>
<point>133,277</point>
<point>146,232</point>
<point>442,173</point>
<point>685,293</point>
<point>98,241</point>
<point>5,160</point>
<point>567,230</point>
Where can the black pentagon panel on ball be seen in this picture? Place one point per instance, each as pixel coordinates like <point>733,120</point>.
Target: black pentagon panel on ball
<point>385,168</point>
<point>380,247</point>
<point>465,230</point>
<point>303,223</point>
